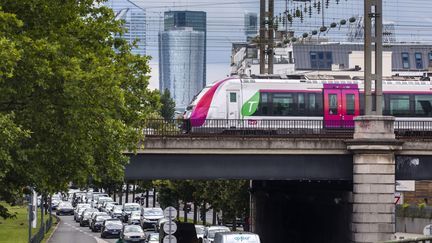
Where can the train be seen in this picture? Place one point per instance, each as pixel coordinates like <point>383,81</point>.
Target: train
<point>248,103</point>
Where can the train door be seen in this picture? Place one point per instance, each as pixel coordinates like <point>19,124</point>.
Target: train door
<point>341,105</point>
<point>233,104</point>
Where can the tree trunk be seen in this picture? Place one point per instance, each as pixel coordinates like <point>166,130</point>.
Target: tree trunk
<point>185,212</point>
<point>195,213</point>
<point>147,198</point>
<point>127,192</point>
<point>214,217</point>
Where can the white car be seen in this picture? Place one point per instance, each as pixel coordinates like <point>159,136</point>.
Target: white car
<point>234,237</point>
<point>150,217</point>
<point>77,209</point>
<point>65,208</point>
<point>210,232</point>
<point>135,218</point>
<point>200,231</point>
<point>153,238</point>
<point>128,208</point>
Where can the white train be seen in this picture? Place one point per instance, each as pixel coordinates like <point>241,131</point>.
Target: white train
<point>237,103</point>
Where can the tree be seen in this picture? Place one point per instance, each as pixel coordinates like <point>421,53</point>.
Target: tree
<point>73,103</point>
<point>168,105</point>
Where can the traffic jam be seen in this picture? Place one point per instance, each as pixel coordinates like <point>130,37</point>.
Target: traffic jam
<point>133,222</point>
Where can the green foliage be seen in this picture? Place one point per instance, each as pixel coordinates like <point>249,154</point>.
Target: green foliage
<point>168,105</point>
<point>69,104</point>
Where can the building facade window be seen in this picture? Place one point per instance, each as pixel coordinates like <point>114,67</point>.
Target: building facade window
<point>321,60</point>
<point>405,60</point>
<point>419,60</point>
<point>430,59</point>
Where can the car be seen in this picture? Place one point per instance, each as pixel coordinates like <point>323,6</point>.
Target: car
<point>153,238</point>
<point>77,209</point>
<point>95,197</point>
<point>111,228</point>
<point>132,233</point>
<point>55,201</point>
<point>93,218</point>
<point>200,231</point>
<point>79,214</point>
<point>85,216</point>
<point>116,211</point>
<point>65,208</point>
<point>233,237</point>
<point>106,206</point>
<point>97,222</point>
<point>101,201</point>
<point>135,218</point>
<point>150,217</point>
<point>128,208</point>
<point>210,232</point>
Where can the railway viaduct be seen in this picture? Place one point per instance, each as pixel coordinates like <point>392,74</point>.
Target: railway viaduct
<point>333,188</point>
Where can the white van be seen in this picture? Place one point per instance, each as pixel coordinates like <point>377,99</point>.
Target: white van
<point>236,237</point>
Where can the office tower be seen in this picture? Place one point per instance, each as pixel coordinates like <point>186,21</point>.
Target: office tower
<point>250,25</point>
<point>197,20</point>
<point>181,57</point>
<point>135,22</point>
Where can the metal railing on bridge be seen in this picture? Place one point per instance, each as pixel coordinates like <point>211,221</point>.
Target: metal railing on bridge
<point>275,128</point>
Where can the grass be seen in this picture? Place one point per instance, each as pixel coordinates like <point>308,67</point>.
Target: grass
<point>16,230</point>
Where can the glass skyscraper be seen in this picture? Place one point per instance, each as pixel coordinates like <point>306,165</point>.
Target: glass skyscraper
<point>194,19</point>
<point>181,57</point>
<point>135,22</point>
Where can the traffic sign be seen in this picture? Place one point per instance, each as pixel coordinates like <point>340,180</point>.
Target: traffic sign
<point>170,227</point>
<point>169,239</point>
<point>170,213</point>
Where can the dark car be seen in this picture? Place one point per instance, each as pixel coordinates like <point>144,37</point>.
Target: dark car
<point>65,208</point>
<point>111,228</point>
<point>97,222</point>
<point>86,215</point>
<point>94,221</point>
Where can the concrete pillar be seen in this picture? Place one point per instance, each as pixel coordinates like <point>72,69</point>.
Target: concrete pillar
<point>374,144</point>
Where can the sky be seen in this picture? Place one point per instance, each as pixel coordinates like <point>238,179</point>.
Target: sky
<point>225,25</point>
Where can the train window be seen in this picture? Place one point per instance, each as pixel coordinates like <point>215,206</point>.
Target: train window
<point>312,103</point>
<point>423,105</point>
<point>283,104</point>
<point>233,97</point>
<point>264,105</point>
<point>399,105</point>
<point>333,104</point>
<point>301,103</point>
<point>350,104</point>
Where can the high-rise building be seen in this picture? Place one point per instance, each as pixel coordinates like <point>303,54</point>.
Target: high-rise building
<point>135,22</point>
<point>181,55</point>
<point>250,25</point>
<point>197,20</point>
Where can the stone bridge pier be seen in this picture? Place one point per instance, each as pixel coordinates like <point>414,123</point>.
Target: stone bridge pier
<point>374,146</point>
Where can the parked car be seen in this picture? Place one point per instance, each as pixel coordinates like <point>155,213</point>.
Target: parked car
<point>135,218</point>
<point>210,232</point>
<point>153,238</point>
<point>234,237</point>
<point>85,216</point>
<point>111,228</point>
<point>200,231</point>
<point>128,208</point>
<point>132,233</point>
<point>77,209</point>
<point>150,217</point>
<point>65,208</point>
<point>97,222</point>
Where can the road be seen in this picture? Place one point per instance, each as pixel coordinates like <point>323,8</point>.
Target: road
<point>70,232</point>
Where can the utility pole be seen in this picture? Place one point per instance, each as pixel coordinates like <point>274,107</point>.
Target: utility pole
<point>373,101</point>
<point>266,40</point>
